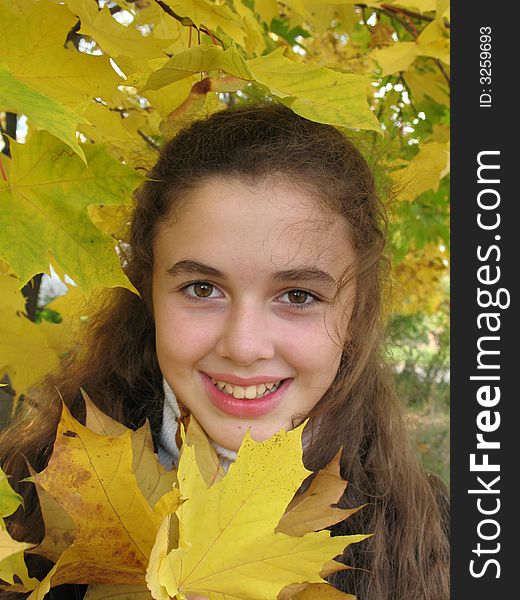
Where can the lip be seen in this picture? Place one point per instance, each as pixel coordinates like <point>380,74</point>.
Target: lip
<point>244,408</point>
<point>234,379</point>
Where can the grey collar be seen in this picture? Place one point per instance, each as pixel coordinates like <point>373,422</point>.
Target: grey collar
<point>167,447</point>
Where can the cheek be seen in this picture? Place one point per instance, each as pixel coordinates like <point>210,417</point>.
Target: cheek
<point>312,350</point>
<point>180,339</point>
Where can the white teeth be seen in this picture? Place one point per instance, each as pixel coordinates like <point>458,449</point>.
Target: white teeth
<point>249,392</point>
<point>238,392</point>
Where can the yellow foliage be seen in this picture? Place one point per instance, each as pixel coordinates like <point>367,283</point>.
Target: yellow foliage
<point>10,297</point>
<point>420,5</point>
<point>44,112</point>
<point>228,547</point>
<point>267,9</point>
<point>427,82</point>
<point>20,340</point>
<point>112,220</point>
<point>313,510</point>
<point>117,592</point>
<point>215,16</point>
<point>107,126</point>
<point>432,42</point>
<point>254,42</point>
<point>420,280</point>
<point>424,171</point>
<point>316,93</point>
<point>91,476</point>
<point>322,591</point>
<point>41,60</point>
<point>114,38</point>
<point>166,99</point>
<point>43,211</point>
<point>395,58</point>
<point>114,515</point>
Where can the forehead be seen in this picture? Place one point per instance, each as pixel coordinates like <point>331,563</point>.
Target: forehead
<point>255,226</point>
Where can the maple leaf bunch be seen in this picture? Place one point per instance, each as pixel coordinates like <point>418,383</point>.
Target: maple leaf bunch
<point>117,520</point>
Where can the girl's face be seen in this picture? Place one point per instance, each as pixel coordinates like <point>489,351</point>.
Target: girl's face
<point>246,325</point>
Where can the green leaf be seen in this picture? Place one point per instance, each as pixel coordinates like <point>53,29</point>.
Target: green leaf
<point>43,211</point>
<point>315,92</point>
<point>11,551</point>
<point>9,499</point>
<point>42,111</point>
<point>395,58</point>
<point>198,60</point>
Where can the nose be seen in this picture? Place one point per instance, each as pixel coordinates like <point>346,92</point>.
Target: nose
<point>246,335</point>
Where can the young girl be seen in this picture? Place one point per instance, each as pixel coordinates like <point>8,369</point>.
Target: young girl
<point>257,248</point>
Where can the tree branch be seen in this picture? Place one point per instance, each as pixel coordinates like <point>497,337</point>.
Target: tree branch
<point>151,142</point>
<point>405,11</point>
<point>438,62</point>
<point>187,22</point>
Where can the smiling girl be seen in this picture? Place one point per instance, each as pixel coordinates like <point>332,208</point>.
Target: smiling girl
<point>257,249</point>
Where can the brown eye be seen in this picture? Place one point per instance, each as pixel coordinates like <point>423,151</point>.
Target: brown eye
<point>297,296</point>
<point>202,289</point>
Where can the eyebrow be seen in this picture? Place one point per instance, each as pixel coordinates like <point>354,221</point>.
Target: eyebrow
<point>308,274</point>
<point>193,267</point>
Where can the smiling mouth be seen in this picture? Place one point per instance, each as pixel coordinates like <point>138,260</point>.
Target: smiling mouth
<point>250,392</point>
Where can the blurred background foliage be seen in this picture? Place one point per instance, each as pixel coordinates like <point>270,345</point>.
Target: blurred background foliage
<point>94,87</point>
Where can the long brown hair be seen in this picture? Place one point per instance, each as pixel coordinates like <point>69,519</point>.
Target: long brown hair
<point>116,363</point>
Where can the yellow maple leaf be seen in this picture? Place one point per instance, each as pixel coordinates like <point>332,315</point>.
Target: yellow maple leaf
<point>11,298</point>
<point>91,476</point>
<point>228,547</point>
<point>32,46</point>
<point>117,592</point>
<point>110,510</point>
<point>115,38</point>
<point>60,530</point>
<point>21,338</point>
<point>323,591</point>
<point>154,481</point>
<point>313,509</point>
